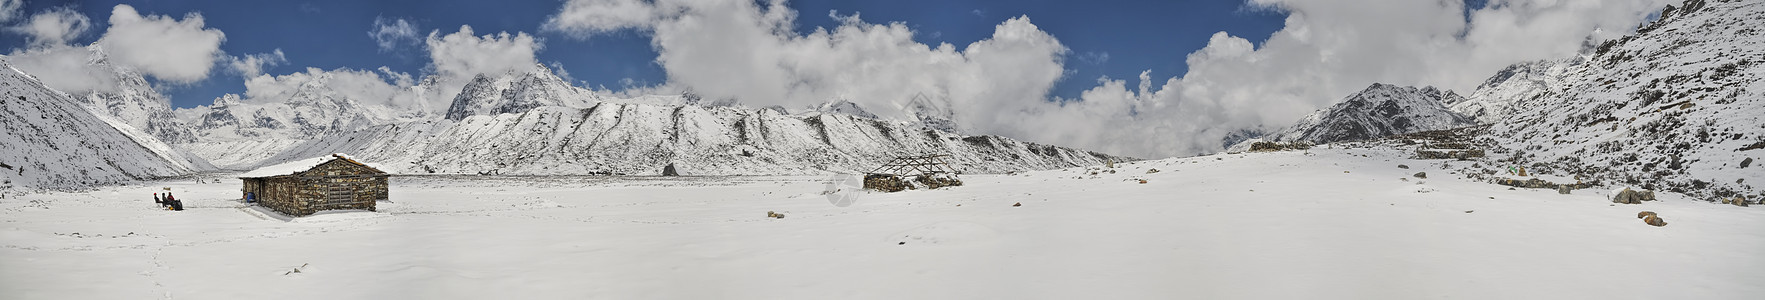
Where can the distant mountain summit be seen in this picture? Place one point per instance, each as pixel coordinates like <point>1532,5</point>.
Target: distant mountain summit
<point>1379,110</point>
<point>517,92</point>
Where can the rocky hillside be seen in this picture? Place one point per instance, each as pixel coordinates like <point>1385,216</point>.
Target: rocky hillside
<point>1493,100</point>
<point>1378,111</point>
<point>1678,106</point>
<point>49,140</point>
<point>641,139</point>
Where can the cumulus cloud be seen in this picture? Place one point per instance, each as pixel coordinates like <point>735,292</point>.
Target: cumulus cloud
<point>252,65</point>
<point>1326,50</point>
<point>463,54</point>
<point>389,34</point>
<point>747,51</point>
<point>171,50</point>
<point>55,26</point>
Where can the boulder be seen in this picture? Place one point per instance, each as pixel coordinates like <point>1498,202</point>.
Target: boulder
<point>1626,196</point>
<point>1150,171</point>
<point>1645,214</point>
<point>1422,175</point>
<point>1563,189</point>
<point>669,171</point>
<point>1654,220</point>
<point>1403,167</point>
<point>1647,195</point>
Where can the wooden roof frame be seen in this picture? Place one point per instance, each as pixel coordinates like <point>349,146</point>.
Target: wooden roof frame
<point>916,165</point>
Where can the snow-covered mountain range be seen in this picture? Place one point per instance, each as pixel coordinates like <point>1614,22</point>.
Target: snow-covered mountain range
<point>238,133</point>
<point>51,140</point>
<point>625,138</point>
<point>1379,110</point>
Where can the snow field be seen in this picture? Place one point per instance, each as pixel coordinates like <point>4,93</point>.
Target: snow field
<point>1241,226</point>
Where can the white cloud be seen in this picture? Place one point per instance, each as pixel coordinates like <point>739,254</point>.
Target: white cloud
<point>1327,49</point>
<point>732,49</point>
<point>462,54</point>
<point>10,9</point>
<point>252,65</point>
<point>587,17</point>
<point>171,50</point>
<point>391,33</point>
<point>55,26</point>
<point>64,68</point>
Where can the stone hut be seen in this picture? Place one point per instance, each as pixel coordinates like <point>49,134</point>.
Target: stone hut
<point>303,187</point>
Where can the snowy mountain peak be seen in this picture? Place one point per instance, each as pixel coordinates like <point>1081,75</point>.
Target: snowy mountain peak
<point>515,92</point>
<point>1379,110</point>
<point>843,107</point>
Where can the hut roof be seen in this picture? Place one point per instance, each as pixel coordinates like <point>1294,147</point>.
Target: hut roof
<point>300,165</point>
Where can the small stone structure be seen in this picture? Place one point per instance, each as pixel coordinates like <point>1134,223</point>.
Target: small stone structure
<point>303,187</point>
<point>930,171</point>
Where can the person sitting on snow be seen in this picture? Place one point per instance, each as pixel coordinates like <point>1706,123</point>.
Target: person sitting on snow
<point>173,202</point>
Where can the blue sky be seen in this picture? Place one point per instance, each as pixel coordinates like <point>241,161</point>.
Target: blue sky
<point>1134,35</point>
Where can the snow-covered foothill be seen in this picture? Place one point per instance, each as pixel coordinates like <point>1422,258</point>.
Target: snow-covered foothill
<point>49,141</point>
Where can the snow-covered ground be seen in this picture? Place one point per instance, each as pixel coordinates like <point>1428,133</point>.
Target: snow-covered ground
<point>1328,224</point>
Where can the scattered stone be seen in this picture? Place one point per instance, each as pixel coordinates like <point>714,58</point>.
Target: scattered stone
<point>1403,167</point>
<point>1510,189</point>
<point>1626,196</point>
<point>1654,220</point>
<point>901,243</point>
<point>1563,189</point>
<point>1344,172</point>
<point>1745,163</point>
<point>1646,195</point>
<point>1469,211</point>
<point>1422,175</point>
<point>1142,181</point>
<point>1645,214</point>
<point>1150,171</point>
<point>774,215</point>
<point>1017,204</point>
